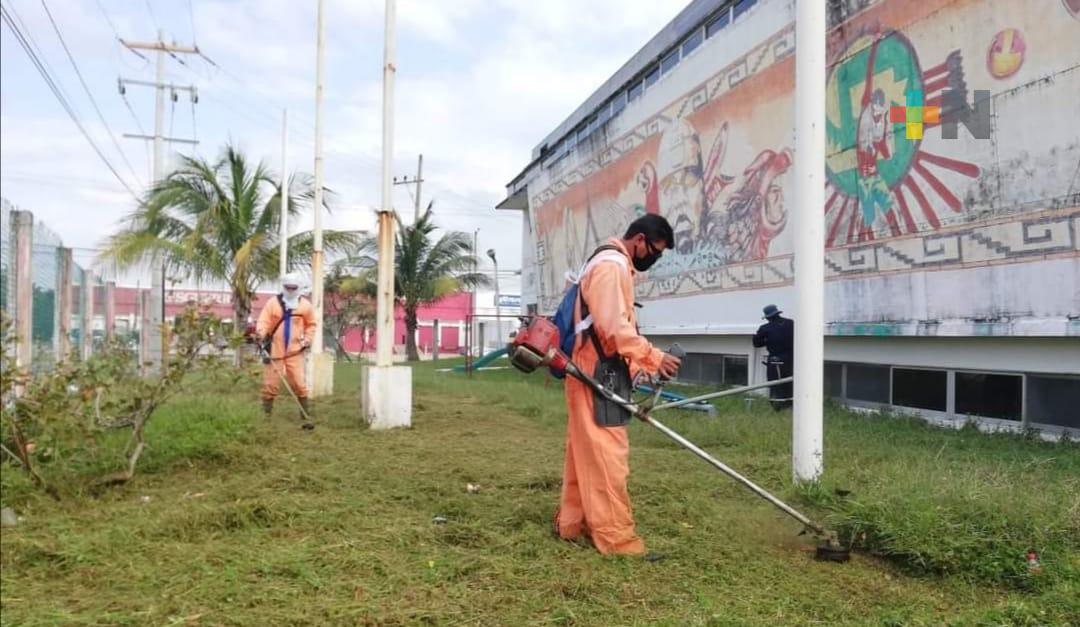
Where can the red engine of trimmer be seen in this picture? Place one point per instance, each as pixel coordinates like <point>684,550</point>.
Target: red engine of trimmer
<point>537,344</point>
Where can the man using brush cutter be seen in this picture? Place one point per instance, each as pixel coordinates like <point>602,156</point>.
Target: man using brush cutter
<point>284,331</point>
<point>594,500</point>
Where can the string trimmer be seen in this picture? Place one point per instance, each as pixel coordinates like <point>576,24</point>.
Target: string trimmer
<point>264,352</point>
<point>536,345</point>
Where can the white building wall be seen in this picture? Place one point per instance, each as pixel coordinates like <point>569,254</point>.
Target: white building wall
<point>953,253</point>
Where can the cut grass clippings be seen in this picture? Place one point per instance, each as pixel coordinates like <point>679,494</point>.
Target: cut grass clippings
<point>274,526</point>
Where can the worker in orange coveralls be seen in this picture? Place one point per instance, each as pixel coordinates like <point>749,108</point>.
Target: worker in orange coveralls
<point>287,325</point>
<point>595,503</point>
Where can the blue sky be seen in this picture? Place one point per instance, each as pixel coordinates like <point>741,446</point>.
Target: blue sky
<point>479,84</point>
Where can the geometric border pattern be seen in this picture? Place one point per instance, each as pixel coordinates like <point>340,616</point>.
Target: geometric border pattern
<point>1011,240</point>
<point>1025,236</point>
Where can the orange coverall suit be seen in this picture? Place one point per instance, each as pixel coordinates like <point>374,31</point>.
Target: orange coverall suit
<point>289,360</point>
<point>594,499</point>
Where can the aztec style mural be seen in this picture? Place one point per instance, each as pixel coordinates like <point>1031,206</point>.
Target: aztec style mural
<point>717,161</point>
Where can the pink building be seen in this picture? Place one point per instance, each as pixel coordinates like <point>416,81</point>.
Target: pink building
<point>451,313</point>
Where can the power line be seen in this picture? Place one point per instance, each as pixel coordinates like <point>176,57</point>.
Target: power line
<point>60,97</point>
<point>86,88</point>
<point>34,46</point>
<point>252,88</point>
<point>116,32</point>
<point>138,124</point>
<point>191,14</point>
<point>153,18</point>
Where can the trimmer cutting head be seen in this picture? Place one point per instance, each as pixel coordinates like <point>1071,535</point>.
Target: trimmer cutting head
<point>830,550</point>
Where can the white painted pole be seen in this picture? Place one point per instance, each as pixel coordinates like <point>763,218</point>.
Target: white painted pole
<point>22,228</point>
<point>317,253</point>
<point>110,311</point>
<point>283,266</point>
<point>807,440</point>
<point>384,334</point>
<point>156,336</point>
<point>88,285</point>
<point>63,306</point>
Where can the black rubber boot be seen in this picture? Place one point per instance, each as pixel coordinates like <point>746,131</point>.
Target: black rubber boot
<point>305,415</point>
<point>268,406</point>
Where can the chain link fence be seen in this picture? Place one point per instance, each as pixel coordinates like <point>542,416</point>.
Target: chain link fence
<point>73,306</point>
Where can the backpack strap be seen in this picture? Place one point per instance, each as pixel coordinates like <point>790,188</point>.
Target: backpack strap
<point>584,327</point>
<point>281,301</point>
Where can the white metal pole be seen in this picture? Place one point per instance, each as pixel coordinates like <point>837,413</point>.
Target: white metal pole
<point>807,440</point>
<point>498,311</point>
<point>22,293</point>
<point>283,266</point>
<point>317,252</point>
<point>63,306</point>
<point>155,335</point>
<point>88,314</point>
<point>384,338</point>
<point>419,183</point>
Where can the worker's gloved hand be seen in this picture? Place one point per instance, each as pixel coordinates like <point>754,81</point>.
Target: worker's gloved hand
<point>669,366</point>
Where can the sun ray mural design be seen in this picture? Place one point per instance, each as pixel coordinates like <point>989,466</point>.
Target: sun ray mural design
<point>881,181</point>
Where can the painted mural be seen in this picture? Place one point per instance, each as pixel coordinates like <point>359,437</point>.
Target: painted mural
<point>717,161</point>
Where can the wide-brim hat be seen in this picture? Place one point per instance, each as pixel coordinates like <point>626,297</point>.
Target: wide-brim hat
<point>770,311</point>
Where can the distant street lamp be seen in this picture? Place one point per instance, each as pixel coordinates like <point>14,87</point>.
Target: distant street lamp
<point>498,313</point>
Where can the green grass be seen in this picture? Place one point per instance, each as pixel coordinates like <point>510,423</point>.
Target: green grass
<point>272,526</point>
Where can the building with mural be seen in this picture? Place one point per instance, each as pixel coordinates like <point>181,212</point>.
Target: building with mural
<point>952,216</point>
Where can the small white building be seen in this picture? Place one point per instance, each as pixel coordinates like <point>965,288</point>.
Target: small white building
<point>953,198</point>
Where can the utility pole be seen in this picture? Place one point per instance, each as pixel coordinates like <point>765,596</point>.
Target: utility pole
<point>320,366</point>
<point>807,439</point>
<point>283,266</point>
<point>387,389</point>
<point>417,181</point>
<point>156,339</point>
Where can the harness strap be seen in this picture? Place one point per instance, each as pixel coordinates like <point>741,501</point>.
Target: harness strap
<point>607,252</point>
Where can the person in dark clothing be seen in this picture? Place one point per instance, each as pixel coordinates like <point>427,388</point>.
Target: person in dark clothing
<point>778,337</point>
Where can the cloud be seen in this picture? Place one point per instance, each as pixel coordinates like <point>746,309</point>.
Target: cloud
<point>478,85</point>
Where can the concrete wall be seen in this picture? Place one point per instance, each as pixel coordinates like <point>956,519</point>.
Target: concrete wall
<point>963,237</point>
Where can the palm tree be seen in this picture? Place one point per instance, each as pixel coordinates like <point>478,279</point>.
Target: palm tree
<point>220,221</point>
<point>426,270</point>
<point>348,306</point>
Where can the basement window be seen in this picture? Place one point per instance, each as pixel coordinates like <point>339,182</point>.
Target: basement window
<point>834,380</point>
<point>736,370</point>
<point>921,389</point>
<point>989,395</point>
<point>868,383</point>
<point>690,369</point>
<point>1053,400</point>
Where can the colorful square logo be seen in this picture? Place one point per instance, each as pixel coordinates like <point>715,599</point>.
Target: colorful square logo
<point>915,115</point>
